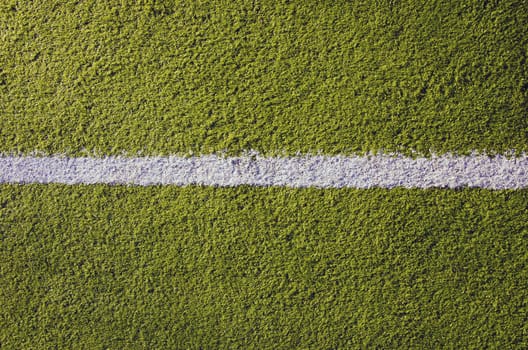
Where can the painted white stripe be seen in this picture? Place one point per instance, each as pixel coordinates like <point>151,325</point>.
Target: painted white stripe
<point>387,171</point>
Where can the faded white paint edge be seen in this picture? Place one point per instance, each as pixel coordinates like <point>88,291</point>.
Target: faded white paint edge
<point>379,170</point>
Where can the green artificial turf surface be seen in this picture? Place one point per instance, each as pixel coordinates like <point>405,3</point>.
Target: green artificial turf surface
<point>102,267</point>
<point>175,76</point>
<point>110,267</point>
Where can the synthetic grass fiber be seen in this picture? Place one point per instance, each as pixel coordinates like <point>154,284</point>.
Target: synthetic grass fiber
<point>199,267</point>
<point>164,267</point>
<point>338,77</point>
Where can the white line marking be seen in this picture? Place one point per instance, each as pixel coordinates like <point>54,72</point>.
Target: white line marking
<point>381,170</point>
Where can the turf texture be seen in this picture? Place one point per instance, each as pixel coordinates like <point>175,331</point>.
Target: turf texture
<point>199,267</point>
<point>109,267</point>
<point>338,77</point>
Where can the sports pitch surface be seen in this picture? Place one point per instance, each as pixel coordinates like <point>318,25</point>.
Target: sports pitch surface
<point>102,265</point>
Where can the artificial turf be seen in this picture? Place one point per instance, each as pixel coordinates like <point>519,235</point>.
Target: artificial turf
<point>103,267</point>
<point>338,77</point>
<point>114,267</point>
